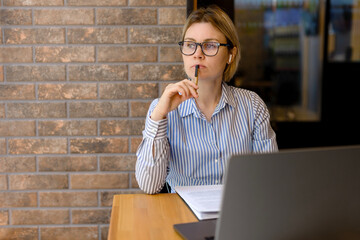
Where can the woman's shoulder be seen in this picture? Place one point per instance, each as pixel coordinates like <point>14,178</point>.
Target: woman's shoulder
<point>248,99</point>
<point>242,94</point>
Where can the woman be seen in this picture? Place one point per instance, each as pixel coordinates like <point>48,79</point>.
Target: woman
<point>191,130</point>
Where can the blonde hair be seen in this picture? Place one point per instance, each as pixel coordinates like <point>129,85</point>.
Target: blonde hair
<point>220,20</point>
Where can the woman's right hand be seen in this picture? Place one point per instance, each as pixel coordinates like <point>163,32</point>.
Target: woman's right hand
<point>173,95</point>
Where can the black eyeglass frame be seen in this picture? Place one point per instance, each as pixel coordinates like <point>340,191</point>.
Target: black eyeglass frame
<point>181,43</point>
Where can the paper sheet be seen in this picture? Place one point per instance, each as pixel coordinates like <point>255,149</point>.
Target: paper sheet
<point>204,201</point>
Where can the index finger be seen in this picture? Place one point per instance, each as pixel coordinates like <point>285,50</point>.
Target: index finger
<point>191,83</point>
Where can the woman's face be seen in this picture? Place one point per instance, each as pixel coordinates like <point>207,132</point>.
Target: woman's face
<point>210,68</point>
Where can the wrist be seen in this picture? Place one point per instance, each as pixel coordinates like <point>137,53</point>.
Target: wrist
<point>157,117</point>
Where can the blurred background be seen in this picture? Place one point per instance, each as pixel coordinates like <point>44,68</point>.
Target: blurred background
<point>303,58</point>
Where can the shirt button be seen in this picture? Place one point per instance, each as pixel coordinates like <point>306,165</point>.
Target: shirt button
<point>216,160</point>
<point>216,181</point>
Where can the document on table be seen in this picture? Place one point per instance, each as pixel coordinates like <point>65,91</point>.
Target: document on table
<point>204,201</point>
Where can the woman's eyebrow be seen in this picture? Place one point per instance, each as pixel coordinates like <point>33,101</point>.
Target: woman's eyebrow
<point>206,40</point>
<point>211,40</point>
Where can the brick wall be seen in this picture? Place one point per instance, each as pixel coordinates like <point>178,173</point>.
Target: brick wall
<point>76,80</point>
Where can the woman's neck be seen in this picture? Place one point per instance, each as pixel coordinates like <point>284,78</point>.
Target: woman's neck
<point>209,97</point>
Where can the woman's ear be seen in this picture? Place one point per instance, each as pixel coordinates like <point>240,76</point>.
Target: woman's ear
<point>232,54</point>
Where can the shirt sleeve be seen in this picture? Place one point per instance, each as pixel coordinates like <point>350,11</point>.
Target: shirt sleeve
<point>264,137</point>
<point>152,155</point>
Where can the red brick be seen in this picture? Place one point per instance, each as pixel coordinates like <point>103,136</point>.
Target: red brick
<point>36,110</point>
<point>67,128</point>
<point>35,73</point>
<point>64,16</point>
<point>100,181</point>
<point>1,68</point>
<point>38,146</point>
<point>135,142</point>
<point>155,35</point>
<point>132,16</point>
<point>34,36</point>
<point>139,109</point>
<point>33,3</point>
<point>108,197</point>
<point>91,216</point>
<point>15,54</point>
<point>170,54</point>
<point>143,91</point>
<point>28,182</point>
<point>69,233</point>
<point>98,109</point>
<point>128,91</point>
<point>67,91</point>
<point>17,92</point>
<point>97,35</point>
<point>2,146</point>
<point>65,54</point>
<point>68,199</point>
<point>157,2</point>
<point>18,199</point>
<point>118,163</point>
<point>104,232</point>
<point>127,54</point>
<point>172,16</point>
<point>67,163</point>
<point>99,145</point>
<point>40,217</point>
<point>17,164</point>
<point>19,233</point>
<point>17,128</point>
<point>15,17</point>
<point>96,3</point>
<point>3,182</point>
<point>4,218</point>
<point>157,72</point>
<point>121,127</point>
<point>2,110</point>
<point>98,73</point>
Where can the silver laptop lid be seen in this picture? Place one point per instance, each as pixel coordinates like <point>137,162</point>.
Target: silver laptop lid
<point>293,194</point>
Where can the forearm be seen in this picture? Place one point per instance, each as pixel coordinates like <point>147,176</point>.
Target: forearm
<point>150,170</point>
<point>152,157</point>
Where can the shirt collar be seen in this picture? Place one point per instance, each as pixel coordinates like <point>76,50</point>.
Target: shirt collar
<point>189,106</point>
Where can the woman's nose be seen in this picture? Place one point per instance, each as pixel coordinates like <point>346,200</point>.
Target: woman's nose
<point>198,53</point>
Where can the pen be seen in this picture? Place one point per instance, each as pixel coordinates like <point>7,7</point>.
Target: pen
<point>196,74</point>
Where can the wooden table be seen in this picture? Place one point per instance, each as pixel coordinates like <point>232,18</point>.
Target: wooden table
<point>142,216</point>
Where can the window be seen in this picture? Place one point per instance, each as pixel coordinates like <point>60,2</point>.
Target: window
<point>344,31</point>
<point>281,47</point>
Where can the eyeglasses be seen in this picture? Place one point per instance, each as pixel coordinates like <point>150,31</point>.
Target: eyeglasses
<point>209,49</point>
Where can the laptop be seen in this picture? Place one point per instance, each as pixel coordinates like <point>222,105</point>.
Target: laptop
<point>307,194</point>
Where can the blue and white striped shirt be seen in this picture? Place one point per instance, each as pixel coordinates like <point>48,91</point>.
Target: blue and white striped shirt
<point>186,149</point>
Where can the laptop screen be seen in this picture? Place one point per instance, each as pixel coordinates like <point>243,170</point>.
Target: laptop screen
<point>293,194</point>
